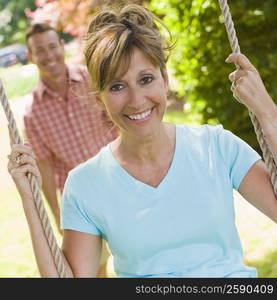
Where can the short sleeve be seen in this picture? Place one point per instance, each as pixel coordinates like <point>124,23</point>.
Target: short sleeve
<point>38,146</point>
<point>237,155</point>
<point>73,215</point>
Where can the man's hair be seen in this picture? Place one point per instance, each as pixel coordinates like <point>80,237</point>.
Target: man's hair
<point>37,28</point>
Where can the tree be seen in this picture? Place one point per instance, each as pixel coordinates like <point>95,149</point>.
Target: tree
<point>202,46</point>
<point>13,21</point>
<point>70,16</point>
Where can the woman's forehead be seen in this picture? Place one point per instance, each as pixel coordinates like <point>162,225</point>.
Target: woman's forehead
<point>138,63</point>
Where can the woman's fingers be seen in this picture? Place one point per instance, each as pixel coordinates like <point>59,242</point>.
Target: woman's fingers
<point>234,76</point>
<point>21,161</point>
<point>21,171</point>
<point>241,60</point>
<point>18,149</point>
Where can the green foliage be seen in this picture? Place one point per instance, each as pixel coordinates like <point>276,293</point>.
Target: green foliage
<point>13,21</point>
<point>198,60</point>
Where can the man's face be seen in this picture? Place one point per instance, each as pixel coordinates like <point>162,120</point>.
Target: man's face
<point>46,50</point>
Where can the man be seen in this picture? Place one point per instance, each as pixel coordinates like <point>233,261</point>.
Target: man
<point>63,124</point>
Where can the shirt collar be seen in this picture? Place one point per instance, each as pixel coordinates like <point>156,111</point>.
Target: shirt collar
<point>73,75</point>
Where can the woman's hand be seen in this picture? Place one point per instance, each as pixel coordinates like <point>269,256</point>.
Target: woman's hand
<point>21,162</point>
<point>247,85</point>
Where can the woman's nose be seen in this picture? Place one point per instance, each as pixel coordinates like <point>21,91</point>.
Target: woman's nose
<point>136,98</point>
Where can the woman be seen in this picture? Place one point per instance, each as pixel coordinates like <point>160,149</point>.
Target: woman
<point>160,194</point>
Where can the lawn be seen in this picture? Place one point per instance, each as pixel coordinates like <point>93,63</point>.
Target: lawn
<point>258,233</point>
<point>18,80</point>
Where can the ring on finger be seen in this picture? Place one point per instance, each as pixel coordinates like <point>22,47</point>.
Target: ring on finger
<point>18,160</point>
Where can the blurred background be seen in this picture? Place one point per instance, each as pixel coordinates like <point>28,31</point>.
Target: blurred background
<point>200,93</point>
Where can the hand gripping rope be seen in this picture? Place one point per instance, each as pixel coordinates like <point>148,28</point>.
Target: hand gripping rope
<point>267,155</point>
<point>53,246</point>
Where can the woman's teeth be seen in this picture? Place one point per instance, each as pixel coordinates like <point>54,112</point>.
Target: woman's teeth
<point>140,116</point>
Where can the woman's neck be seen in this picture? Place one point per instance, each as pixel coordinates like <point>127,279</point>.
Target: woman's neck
<point>145,150</point>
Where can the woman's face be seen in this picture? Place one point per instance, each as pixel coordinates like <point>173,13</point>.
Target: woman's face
<point>136,102</point>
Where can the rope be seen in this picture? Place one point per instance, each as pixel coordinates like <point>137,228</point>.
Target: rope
<point>267,155</point>
<point>54,248</point>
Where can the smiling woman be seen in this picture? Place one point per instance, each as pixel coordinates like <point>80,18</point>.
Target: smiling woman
<point>136,101</point>
<point>160,194</point>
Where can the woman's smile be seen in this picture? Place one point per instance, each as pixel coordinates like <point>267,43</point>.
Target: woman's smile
<point>141,117</point>
<point>136,100</point>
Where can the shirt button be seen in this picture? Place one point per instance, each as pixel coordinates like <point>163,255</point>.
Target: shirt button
<point>70,115</point>
<point>86,151</point>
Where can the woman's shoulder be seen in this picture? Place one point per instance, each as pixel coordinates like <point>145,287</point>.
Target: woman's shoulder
<point>199,132</point>
<point>91,167</point>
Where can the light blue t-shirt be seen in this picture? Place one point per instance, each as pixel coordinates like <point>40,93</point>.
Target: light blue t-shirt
<point>183,228</point>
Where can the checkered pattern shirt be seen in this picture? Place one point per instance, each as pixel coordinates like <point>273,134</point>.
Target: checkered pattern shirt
<point>66,132</point>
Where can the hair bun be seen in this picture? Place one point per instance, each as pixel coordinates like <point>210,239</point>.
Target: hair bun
<point>129,24</point>
<point>101,20</point>
<point>138,16</point>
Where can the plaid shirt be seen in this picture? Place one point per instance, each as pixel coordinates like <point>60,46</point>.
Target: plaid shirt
<point>66,132</point>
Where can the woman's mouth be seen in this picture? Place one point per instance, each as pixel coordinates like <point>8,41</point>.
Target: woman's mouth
<point>140,117</point>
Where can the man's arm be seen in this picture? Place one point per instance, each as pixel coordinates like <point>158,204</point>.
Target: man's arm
<point>49,188</point>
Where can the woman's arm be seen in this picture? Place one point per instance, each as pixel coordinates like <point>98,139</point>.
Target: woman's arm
<point>249,89</point>
<point>257,189</point>
<point>83,251</point>
<point>79,249</point>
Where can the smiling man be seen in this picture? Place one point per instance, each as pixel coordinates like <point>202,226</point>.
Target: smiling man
<point>63,123</point>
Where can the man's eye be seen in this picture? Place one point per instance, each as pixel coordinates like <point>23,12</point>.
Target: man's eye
<point>146,79</point>
<point>116,87</point>
<point>39,51</point>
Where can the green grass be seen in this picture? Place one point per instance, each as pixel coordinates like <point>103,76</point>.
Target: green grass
<point>18,80</point>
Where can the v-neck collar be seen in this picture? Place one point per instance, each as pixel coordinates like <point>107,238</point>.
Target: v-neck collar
<point>140,186</point>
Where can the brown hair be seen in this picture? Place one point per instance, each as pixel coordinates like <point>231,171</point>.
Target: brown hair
<point>37,28</point>
<point>112,36</point>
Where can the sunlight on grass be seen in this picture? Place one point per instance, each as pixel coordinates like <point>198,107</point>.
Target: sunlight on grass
<point>19,80</point>
<point>16,257</point>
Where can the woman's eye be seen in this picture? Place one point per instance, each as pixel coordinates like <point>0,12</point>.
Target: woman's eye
<point>146,79</point>
<point>116,87</point>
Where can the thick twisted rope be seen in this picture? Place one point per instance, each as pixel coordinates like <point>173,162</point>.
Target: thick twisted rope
<point>267,155</point>
<point>54,248</point>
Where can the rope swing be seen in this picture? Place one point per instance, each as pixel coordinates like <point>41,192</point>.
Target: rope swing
<point>48,232</point>
<point>267,155</point>
<point>52,243</point>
